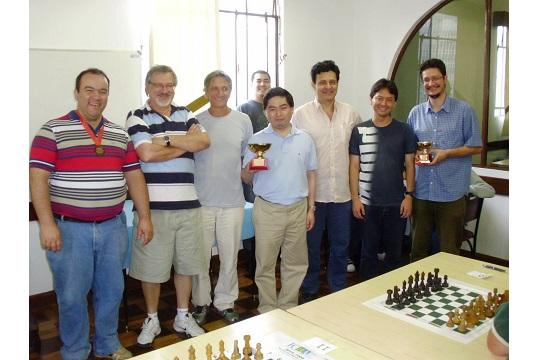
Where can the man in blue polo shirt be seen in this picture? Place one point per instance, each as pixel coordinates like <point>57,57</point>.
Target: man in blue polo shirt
<point>439,195</point>
<point>284,207</point>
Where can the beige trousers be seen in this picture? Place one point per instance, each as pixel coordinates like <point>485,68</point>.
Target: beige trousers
<point>279,227</point>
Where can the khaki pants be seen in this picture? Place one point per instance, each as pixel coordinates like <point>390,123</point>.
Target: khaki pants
<point>279,227</point>
<point>447,218</point>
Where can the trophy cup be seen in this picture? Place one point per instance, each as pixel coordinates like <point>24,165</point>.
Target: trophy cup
<point>425,156</point>
<point>259,163</point>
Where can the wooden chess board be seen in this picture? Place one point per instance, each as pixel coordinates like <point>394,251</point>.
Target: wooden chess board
<point>431,312</point>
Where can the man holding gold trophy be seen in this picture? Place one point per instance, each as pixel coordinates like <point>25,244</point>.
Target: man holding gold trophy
<point>281,164</point>
<point>448,135</point>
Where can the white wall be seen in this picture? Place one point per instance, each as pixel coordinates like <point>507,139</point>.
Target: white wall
<point>360,36</point>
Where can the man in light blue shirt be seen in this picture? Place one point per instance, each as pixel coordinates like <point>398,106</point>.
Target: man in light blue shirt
<point>439,195</point>
<point>284,207</point>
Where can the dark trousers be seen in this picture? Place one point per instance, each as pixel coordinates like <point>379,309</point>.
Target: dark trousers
<point>381,225</point>
<point>446,218</point>
<point>336,218</point>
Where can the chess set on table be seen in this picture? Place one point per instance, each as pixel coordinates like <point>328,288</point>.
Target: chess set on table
<point>448,307</point>
<point>290,350</point>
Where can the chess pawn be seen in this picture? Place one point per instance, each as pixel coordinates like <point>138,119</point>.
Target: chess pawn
<point>462,327</point>
<point>450,322</point>
<point>258,353</point>
<point>208,352</point>
<point>191,351</point>
<point>389,300</point>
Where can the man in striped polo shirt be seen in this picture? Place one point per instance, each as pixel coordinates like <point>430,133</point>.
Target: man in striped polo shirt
<point>165,137</point>
<point>79,166</point>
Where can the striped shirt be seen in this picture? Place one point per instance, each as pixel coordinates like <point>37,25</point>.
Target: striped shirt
<point>453,126</point>
<point>382,153</point>
<point>170,183</point>
<point>82,184</point>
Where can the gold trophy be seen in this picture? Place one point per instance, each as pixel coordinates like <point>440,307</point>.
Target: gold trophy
<point>425,155</point>
<point>259,163</point>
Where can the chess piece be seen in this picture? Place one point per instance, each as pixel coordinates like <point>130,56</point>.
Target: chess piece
<point>208,352</point>
<point>222,351</point>
<point>404,287</point>
<point>445,282</point>
<point>405,300</point>
<point>456,319</point>
<point>247,346</point>
<point>236,352</point>
<point>389,300</point>
<point>258,353</point>
<point>191,351</point>
<point>450,322</point>
<point>396,294</point>
<point>462,324</point>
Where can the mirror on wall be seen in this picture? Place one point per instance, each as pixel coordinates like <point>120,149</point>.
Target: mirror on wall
<point>456,32</point>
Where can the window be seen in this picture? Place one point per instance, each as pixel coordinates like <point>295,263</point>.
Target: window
<point>249,41</point>
<point>437,39</point>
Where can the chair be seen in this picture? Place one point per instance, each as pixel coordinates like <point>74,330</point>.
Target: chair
<point>472,212</point>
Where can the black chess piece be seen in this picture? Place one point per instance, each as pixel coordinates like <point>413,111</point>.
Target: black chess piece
<point>412,298</point>
<point>389,300</point>
<point>445,283</point>
<point>396,294</point>
<point>436,271</point>
<point>399,304</point>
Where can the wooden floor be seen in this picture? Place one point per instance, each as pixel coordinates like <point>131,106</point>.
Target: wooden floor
<point>44,313</point>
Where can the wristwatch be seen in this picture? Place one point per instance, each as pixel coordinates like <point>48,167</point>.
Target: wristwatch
<point>409,192</point>
<point>167,141</point>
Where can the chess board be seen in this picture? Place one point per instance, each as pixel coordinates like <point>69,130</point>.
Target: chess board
<point>431,312</point>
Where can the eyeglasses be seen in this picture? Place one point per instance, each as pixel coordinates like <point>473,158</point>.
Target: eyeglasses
<point>163,86</point>
<point>426,80</point>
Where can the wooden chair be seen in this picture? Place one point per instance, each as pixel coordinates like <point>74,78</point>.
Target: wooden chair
<point>472,213</point>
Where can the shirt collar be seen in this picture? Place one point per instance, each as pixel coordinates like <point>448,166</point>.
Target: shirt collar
<point>318,105</point>
<point>445,106</point>
<point>149,108</point>
<point>270,130</point>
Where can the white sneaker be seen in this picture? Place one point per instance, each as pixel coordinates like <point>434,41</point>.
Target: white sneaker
<point>187,324</point>
<point>350,266</point>
<point>149,330</point>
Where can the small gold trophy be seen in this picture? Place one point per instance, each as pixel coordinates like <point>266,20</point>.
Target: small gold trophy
<point>259,163</point>
<point>425,155</point>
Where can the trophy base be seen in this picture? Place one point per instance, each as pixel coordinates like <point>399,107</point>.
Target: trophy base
<point>258,164</point>
<point>424,160</point>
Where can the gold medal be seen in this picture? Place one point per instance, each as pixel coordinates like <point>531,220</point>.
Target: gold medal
<point>100,150</point>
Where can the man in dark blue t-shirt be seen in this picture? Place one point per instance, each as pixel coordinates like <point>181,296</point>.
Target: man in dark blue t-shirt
<point>379,150</point>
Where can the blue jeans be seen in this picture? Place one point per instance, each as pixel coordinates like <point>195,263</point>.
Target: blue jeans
<point>382,224</point>
<point>90,259</point>
<point>336,217</point>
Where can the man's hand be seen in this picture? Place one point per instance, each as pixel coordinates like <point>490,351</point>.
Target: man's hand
<point>194,129</point>
<point>405,209</point>
<point>310,220</point>
<point>358,208</point>
<point>439,155</point>
<point>50,237</point>
<point>145,231</point>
